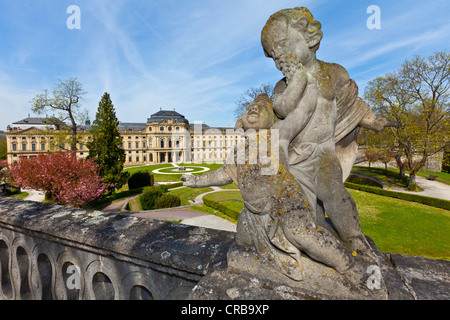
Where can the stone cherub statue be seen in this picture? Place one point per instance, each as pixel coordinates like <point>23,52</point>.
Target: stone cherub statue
<point>318,114</point>
<point>323,152</point>
<point>277,222</point>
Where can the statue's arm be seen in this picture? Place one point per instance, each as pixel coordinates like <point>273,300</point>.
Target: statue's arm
<point>374,123</point>
<point>299,117</point>
<point>217,177</point>
<point>286,100</point>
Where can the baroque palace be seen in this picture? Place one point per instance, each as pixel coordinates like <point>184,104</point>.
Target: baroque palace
<point>166,137</point>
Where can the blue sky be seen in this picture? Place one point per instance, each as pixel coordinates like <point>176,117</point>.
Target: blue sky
<point>197,56</point>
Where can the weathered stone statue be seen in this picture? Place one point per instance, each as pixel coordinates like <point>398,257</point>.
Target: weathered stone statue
<point>317,115</point>
<point>277,227</point>
<point>276,222</point>
<point>322,153</point>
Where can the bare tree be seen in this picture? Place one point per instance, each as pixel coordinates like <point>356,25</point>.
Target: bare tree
<point>65,101</point>
<point>417,97</point>
<point>248,96</point>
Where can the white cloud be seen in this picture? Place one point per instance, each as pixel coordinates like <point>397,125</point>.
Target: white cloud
<point>195,56</point>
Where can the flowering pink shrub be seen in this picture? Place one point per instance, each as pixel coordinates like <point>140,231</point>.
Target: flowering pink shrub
<point>61,175</point>
<point>3,169</point>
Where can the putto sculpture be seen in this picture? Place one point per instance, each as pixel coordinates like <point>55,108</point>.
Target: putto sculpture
<point>300,220</point>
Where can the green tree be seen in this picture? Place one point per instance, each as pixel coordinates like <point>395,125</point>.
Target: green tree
<point>417,97</point>
<point>2,145</point>
<point>65,100</point>
<point>105,147</point>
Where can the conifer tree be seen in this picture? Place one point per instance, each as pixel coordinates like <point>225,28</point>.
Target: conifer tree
<point>105,147</point>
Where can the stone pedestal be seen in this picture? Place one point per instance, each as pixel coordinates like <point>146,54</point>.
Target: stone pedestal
<point>403,278</point>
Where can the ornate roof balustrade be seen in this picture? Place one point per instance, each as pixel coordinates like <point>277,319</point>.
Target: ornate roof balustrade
<point>55,252</point>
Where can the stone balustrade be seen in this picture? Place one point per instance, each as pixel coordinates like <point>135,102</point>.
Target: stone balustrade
<point>55,252</point>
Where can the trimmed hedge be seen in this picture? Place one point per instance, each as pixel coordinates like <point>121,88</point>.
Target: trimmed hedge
<point>174,185</point>
<point>140,179</point>
<point>225,210</point>
<point>167,201</point>
<point>157,198</point>
<point>148,199</point>
<point>433,202</point>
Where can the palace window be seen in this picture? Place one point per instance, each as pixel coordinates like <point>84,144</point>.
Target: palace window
<point>14,146</point>
<point>24,146</point>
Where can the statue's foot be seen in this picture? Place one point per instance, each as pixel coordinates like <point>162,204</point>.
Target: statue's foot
<point>362,250</point>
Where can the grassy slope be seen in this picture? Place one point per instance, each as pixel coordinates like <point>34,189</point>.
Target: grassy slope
<point>395,225</point>
<point>404,227</point>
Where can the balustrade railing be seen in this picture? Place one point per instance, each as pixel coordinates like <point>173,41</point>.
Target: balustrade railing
<point>55,252</point>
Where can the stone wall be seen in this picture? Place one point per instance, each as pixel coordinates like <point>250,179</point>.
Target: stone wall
<point>55,252</point>
<point>434,163</point>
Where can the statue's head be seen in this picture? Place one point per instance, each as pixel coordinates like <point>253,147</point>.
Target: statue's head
<point>291,34</point>
<point>258,115</point>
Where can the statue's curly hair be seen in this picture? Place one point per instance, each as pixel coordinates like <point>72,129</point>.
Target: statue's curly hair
<point>299,18</point>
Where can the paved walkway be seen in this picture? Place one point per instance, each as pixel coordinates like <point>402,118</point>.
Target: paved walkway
<point>434,189</point>
<point>184,215</point>
<point>34,195</point>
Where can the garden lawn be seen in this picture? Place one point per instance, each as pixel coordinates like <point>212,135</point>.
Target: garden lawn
<point>171,177</point>
<point>158,177</point>
<point>225,195</point>
<point>404,227</point>
<point>396,226</point>
<point>188,193</point>
<point>390,176</point>
<point>443,177</point>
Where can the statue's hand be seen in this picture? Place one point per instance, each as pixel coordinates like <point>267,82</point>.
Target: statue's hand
<point>294,73</point>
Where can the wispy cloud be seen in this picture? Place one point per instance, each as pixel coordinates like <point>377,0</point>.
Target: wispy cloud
<point>195,56</point>
<point>405,31</point>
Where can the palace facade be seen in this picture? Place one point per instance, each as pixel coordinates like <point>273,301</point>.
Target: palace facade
<point>166,137</point>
